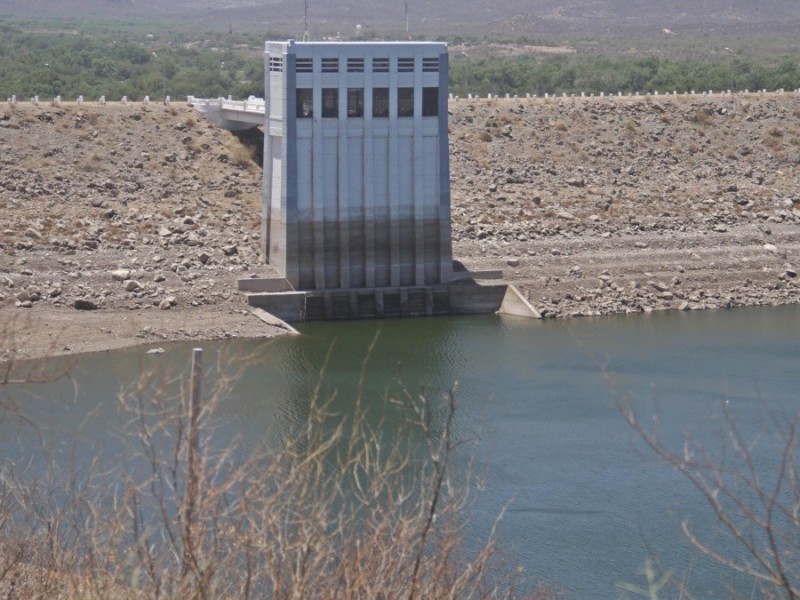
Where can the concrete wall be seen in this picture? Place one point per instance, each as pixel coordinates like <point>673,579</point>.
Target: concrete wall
<point>356,200</point>
<point>380,302</point>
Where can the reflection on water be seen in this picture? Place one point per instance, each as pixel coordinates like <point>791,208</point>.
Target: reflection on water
<point>587,503</point>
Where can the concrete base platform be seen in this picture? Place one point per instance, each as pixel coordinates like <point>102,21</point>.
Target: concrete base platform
<point>264,284</point>
<point>377,303</point>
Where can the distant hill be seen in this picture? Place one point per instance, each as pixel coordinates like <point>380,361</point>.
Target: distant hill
<point>525,17</point>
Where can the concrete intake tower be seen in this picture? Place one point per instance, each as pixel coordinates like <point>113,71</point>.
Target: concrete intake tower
<point>356,188</point>
<point>356,172</point>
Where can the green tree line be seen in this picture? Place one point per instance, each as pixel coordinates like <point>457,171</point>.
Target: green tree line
<point>50,64</point>
<point>134,65</point>
<point>610,74</point>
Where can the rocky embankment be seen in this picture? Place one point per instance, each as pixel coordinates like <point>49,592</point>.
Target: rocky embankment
<point>128,223</point>
<point>132,221</point>
<point>608,205</point>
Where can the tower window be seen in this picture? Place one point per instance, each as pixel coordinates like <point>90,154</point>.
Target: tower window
<point>304,65</point>
<point>430,102</point>
<point>355,102</point>
<point>330,103</point>
<point>305,103</point>
<point>380,65</point>
<point>380,102</point>
<point>405,102</point>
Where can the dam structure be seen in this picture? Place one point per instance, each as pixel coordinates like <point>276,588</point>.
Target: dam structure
<point>356,172</point>
<point>356,185</point>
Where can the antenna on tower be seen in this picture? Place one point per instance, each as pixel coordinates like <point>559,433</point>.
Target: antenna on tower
<point>305,21</point>
<point>408,34</point>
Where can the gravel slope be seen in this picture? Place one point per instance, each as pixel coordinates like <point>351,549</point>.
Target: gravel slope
<point>144,216</point>
<point>600,206</point>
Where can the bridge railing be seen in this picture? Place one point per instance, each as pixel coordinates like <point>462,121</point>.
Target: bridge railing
<point>256,106</point>
<point>251,105</point>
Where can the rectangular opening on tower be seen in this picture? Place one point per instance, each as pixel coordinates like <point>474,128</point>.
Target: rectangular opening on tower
<point>330,103</point>
<point>276,64</point>
<point>380,102</point>
<point>304,65</point>
<point>330,65</point>
<point>430,65</point>
<point>430,102</point>
<point>380,65</point>
<point>405,102</point>
<point>355,102</point>
<point>305,103</point>
<point>405,65</point>
<point>355,65</point>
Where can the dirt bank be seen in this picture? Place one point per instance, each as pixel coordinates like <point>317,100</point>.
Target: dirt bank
<point>607,205</point>
<point>130,223</point>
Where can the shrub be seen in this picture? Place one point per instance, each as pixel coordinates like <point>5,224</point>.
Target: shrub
<point>241,155</point>
<point>759,512</point>
<point>775,131</point>
<point>332,510</point>
<point>702,116</point>
<point>192,145</point>
<point>772,139</point>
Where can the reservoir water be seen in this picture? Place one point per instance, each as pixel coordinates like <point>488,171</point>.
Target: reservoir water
<point>587,502</point>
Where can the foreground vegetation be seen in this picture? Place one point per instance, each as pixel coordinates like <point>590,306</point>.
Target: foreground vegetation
<point>335,508</point>
<point>131,62</point>
<point>332,510</point>
<point>757,508</point>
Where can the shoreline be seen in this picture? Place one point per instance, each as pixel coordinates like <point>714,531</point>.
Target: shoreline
<point>45,332</point>
<point>106,340</point>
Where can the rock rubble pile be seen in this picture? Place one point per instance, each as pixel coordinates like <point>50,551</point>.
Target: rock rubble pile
<point>610,205</point>
<point>123,207</point>
<point>591,206</point>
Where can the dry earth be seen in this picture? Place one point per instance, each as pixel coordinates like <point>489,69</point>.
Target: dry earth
<point>130,223</point>
<point>599,206</point>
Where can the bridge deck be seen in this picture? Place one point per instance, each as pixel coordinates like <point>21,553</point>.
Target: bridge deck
<point>233,115</point>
